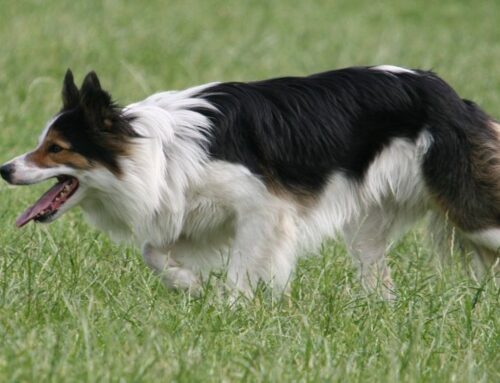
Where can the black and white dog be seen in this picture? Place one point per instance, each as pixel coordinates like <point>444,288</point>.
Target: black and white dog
<point>248,176</point>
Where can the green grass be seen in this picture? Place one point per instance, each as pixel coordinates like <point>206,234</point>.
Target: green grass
<point>75,307</point>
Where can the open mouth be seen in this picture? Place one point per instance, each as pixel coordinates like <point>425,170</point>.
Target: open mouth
<point>49,203</point>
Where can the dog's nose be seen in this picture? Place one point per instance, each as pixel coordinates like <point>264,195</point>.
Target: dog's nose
<point>6,172</point>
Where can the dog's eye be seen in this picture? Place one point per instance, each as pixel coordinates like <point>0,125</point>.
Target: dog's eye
<point>54,148</point>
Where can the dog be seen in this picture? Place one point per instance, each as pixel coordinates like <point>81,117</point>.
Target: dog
<point>246,177</point>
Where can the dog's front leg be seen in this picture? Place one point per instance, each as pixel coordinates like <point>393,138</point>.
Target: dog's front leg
<point>173,275</point>
<point>263,249</point>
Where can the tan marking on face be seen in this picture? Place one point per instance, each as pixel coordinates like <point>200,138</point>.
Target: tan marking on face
<point>43,158</point>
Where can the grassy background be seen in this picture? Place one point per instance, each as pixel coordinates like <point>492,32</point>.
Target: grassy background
<point>75,307</point>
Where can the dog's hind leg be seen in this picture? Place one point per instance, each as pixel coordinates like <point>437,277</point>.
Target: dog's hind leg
<point>173,275</point>
<point>367,240</point>
<point>488,264</point>
<point>486,244</point>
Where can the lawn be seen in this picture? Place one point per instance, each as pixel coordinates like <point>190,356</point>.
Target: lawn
<point>76,307</point>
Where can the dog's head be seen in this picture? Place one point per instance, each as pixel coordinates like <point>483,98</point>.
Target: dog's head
<point>88,135</point>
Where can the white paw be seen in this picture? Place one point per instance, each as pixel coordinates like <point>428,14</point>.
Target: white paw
<point>181,278</point>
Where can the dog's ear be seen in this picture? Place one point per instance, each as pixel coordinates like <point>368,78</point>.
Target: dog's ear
<point>70,93</point>
<point>91,83</point>
<point>95,101</point>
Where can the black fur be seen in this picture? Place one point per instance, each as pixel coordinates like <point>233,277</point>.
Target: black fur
<point>301,129</point>
<point>459,167</point>
<point>92,122</point>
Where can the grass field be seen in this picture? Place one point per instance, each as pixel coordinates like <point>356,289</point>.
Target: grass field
<point>76,307</point>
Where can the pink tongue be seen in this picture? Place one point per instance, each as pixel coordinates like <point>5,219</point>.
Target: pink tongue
<point>43,203</point>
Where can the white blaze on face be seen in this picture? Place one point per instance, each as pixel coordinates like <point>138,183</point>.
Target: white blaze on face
<point>47,127</point>
<point>26,172</point>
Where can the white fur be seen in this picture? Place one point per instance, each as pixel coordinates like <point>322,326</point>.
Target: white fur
<point>49,124</point>
<point>487,248</point>
<point>26,172</point>
<point>392,69</point>
<point>193,215</point>
<point>489,238</point>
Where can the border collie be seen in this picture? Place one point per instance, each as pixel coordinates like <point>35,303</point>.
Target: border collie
<point>248,176</point>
